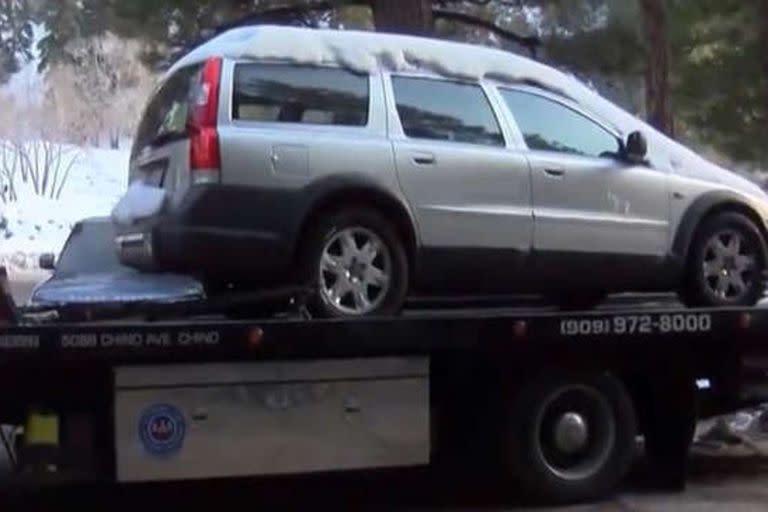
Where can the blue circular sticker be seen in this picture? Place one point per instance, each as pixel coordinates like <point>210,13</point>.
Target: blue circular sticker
<point>162,429</point>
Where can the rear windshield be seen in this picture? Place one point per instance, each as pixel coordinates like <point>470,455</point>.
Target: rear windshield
<point>165,117</point>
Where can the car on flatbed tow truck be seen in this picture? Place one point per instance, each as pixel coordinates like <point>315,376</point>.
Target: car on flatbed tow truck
<point>379,166</point>
<point>555,401</point>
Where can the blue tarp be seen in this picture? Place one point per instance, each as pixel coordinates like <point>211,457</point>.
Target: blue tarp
<point>89,273</point>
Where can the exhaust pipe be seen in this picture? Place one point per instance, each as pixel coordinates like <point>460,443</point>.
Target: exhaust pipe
<point>135,250</point>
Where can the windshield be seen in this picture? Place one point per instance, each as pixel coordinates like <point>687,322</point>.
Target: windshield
<point>165,117</point>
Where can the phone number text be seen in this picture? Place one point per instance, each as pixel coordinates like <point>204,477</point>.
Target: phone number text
<point>637,324</point>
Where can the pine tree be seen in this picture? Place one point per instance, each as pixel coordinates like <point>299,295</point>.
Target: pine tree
<point>16,36</point>
<point>657,91</point>
<point>404,16</point>
<point>721,84</point>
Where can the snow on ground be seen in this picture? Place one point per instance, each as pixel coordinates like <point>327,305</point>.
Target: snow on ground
<point>34,225</point>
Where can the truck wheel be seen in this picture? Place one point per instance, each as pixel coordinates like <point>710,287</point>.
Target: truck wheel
<point>356,262</point>
<point>571,439</point>
<point>727,264</point>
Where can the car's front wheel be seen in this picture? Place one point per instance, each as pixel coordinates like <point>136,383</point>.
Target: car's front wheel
<point>356,263</point>
<point>727,264</point>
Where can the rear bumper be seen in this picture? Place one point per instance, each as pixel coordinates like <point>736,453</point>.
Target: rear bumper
<point>197,250</point>
<point>215,232</point>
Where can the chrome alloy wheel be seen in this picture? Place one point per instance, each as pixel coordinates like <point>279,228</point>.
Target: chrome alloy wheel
<point>355,271</point>
<point>730,262</point>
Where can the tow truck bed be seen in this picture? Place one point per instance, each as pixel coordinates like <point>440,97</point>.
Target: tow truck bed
<point>533,393</point>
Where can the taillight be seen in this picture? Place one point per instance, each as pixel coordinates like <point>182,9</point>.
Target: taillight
<point>205,155</point>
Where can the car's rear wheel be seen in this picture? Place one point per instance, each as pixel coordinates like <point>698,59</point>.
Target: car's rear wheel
<point>356,263</point>
<point>727,264</point>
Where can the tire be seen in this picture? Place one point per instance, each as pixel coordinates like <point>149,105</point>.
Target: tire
<point>582,472</point>
<point>328,237</point>
<point>701,285</point>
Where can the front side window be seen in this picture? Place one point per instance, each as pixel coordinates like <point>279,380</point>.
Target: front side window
<point>281,93</point>
<point>443,110</point>
<point>547,125</point>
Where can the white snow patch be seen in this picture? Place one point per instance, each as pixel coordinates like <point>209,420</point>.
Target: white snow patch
<point>140,202</point>
<point>34,225</point>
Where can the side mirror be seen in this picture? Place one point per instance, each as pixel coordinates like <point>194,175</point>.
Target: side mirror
<point>47,261</point>
<point>636,147</point>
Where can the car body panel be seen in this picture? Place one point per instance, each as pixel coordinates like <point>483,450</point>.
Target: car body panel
<point>597,205</point>
<point>463,195</point>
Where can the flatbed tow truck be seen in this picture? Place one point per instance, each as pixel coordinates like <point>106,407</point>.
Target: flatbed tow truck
<point>558,401</point>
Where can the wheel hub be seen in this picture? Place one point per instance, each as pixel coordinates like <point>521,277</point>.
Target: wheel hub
<point>571,433</point>
<point>356,269</point>
<point>575,432</point>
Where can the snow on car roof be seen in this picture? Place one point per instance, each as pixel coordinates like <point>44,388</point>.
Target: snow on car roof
<point>366,52</point>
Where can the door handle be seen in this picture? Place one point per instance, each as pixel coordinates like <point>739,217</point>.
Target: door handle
<point>555,172</point>
<point>424,158</point>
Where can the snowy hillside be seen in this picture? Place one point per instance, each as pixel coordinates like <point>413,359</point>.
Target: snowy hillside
<point>33,225</point>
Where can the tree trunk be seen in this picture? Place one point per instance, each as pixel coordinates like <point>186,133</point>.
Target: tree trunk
<point>403,16</point>
<point>114,139</point>
<point>657,100</point>
<point>764,45</point>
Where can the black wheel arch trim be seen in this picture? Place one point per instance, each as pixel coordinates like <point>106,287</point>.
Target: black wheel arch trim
<point>324,192</point>
<point>703,207</point>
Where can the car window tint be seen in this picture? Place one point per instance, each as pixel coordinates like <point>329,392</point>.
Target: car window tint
<point>443,110</point>
<point>165,117</point>
<point>548,125</point>
<point>295,94</point>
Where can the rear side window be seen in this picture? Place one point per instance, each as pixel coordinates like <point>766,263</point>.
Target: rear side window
<point>165,117</point>
<point>280,93</point>
<point>443,110</point>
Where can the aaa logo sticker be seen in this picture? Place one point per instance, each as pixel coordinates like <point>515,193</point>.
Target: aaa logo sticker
<point>162,429</point>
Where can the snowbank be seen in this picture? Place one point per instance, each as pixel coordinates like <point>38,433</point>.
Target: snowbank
<point>34,225</point>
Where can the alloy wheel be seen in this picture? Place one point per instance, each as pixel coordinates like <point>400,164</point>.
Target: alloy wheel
<point>729,265</point>
<point>355,271</point>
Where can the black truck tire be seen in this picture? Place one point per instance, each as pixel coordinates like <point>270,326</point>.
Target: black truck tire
<point>570,438</point>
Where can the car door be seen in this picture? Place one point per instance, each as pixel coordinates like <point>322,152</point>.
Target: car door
<point>470,194</point>
<point>592,208</point>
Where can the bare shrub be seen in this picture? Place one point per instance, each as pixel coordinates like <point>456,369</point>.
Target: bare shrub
<point>43,165</point>
<point>100,90</point>
<point>33,154</point>
<point>8,171</point>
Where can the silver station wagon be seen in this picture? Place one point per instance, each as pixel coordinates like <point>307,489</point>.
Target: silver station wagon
<point>372,166</point>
